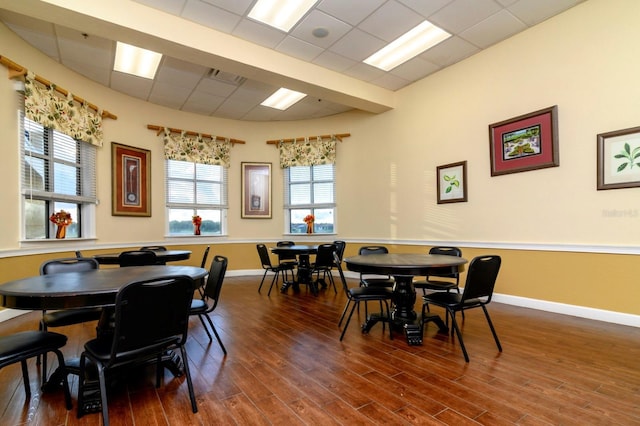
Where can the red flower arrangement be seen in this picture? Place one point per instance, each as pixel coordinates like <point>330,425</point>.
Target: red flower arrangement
<point>309,219</point>
<point>196,220</point>
<point>62,218</point>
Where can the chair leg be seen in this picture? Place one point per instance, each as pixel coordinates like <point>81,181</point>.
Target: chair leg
<point>331,280</point>
<point>493,330</point>
<point>389,319</point>
<point>65,381</point>
<point>205,327</point>
<point>103,393</point>
<point>344,311</point>
<point>454,323</point>
<point>355,303</point>
<point>274,280</point>
<point>213,327</point>
<point>25,378</point>
<point>187,372</point>
<point>261,282</point>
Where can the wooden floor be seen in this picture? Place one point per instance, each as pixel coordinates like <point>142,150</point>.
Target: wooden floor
<point>286,366</point>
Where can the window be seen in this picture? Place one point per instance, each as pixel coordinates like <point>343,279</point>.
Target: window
<point>196,189</point>
<point>58,173</point>
<point>310,190</point>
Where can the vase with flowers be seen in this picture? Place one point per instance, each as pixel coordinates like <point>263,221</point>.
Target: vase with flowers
<point>62,219</point>
<point>197,221</point>
<point>309,219</point>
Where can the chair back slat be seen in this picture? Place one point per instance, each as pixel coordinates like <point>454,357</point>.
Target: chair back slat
<point>151,313</point>
<point>137,258</point>
<point>205,255</point>
<point>264,256</point>
<point>481,277</point>
<point>446,271</point>
<point>68,264</point>
<point>215,279</point>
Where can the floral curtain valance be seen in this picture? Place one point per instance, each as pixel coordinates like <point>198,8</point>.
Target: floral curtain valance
<point>196,148</point>
<point>308,153</point>
<point>43,105</point>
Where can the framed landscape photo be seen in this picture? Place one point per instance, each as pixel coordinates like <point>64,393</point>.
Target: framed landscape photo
<point>256,190</point>
<point>619,159</point>
<point>131,180</point>
<point>523,143</point>
<point>452,182</point>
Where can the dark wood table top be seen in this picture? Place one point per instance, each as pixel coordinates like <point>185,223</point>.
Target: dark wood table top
<point>83,289</point>
<point>406,264</point>
<point>163,256</point>
<point>295,249</point>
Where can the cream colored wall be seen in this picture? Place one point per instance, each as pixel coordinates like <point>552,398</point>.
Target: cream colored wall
<point>584,61</point>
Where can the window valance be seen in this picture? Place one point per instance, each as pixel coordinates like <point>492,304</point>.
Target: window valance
<point>196,148</point>
<point>44,105</point>
<point>311,152</point>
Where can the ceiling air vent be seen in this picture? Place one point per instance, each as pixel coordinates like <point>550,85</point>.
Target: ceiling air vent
<point>226,77</point>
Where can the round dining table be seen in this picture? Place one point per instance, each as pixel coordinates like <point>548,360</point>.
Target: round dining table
<point>403,267</point>
<point>303,252</point>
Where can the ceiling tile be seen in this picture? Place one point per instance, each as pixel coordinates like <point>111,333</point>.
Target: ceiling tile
<point>210,16</point>
<point>254,32</point>
<point>131,85</point>
<point>173,7</point>
<point>215,87</point>
<point>239,7</point>
<point>317,19</point>
<point>415,69</point>
<point>390,21</point>
<point>35,32</point>
<point>352,11</point>
<point>168,95</point>
<point>357,45</point>
<point>495,28</point>
<point>450,51</point>
<point>426,8</point>
<point>391,82</point>
<point>364,72</point>
<point>180,73</point>
<point>203,103</point>
<point>462,14</point>
<point>334,61</point>
<point>299,49</point>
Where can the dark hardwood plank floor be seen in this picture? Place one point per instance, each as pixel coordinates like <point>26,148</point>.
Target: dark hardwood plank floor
<point>287,366</point>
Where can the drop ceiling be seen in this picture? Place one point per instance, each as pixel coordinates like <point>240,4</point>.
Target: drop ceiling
<point>214,80</point>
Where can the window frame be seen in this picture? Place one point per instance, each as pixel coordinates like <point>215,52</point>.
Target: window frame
<point>196,207</point>
<point>85,199</point>
<point>311,207</point>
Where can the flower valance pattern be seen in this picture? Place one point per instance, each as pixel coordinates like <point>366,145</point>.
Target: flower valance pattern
<point>196,148</point>
<point>44,105</point>
<point>308,153</point>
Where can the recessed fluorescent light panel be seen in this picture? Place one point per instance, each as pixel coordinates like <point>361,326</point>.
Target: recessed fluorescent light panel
<point>134,60</point>
<point>407,46</point>
<point>281,14</point>
<point>283,99</point>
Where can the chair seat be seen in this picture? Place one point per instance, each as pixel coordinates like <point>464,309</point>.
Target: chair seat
<point>26,344</point>
<point>71,316</point>
<point>434,285</point>
<point>370,293</point>
<point>198,306</point>
<point>378,282</point>
<point>451,299</point>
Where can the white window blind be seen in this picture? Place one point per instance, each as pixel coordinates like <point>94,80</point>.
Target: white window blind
<point>310,190</point>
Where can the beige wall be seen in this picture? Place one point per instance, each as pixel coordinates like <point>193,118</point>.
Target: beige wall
<point>552,223</point>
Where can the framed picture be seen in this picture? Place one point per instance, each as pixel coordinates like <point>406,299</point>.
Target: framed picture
<point>256,190</point>
<point>131,180</point>
<point>527,142</point>
<point>619,159</point>
<point>452,183</point>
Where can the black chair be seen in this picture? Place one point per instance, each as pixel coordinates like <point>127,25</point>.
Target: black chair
<point>478,290</point>
<point>373,280</point>
<point>340,247</point>
<point>203,265</point>
<point>450,272</point>
<point>287,258</point>
<point>323,264</point>
<point>355,295</point>
<point>19,347</point>
<point>265,259</point>
<point>211,296</point>
<point>137,258</point>
<point>151,317</point>
<point>61,318</point>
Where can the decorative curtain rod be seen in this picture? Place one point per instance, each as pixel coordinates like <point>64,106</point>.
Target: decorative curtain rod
<point>159,130</point>
<point>16,71</point>
<point>338,136</point>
